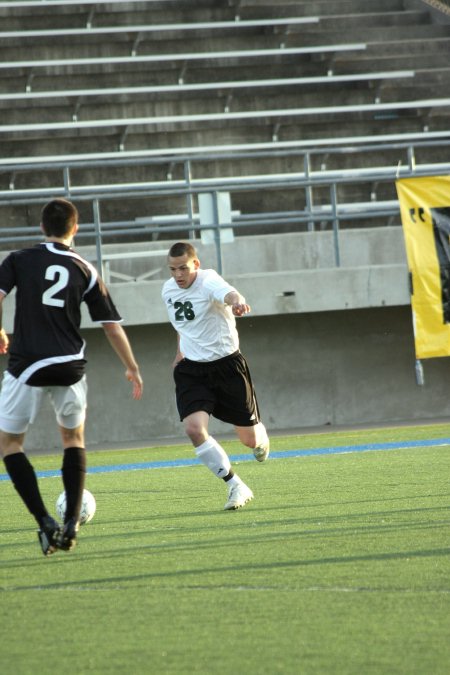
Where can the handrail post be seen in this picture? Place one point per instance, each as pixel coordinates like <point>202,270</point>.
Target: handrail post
<point>308,191</point>
<point>216,226</point>
<point>411,159</point>
<point>333,199</point>
<point>98,236</point>
<point>189,197</point>
<point>66,178</point>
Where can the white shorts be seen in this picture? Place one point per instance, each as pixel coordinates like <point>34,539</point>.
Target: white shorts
<point>20,404</point>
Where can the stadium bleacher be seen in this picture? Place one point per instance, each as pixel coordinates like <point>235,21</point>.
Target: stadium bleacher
<point>202,92</point>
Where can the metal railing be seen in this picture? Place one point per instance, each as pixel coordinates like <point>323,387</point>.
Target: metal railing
<point>331,212</point>
<point>94,31</point>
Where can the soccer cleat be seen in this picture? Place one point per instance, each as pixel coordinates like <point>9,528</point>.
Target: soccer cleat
<point>48,534</point>
<point>261,452</point>
<point>67,537</point>
<point>238,496</point>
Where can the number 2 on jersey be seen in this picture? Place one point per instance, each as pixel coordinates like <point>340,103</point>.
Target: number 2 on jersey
<point>60,275</point>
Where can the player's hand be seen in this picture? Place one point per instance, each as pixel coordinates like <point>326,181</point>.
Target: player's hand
<point>239,308</point>
<point>134,376</point>
<point>4,341</point>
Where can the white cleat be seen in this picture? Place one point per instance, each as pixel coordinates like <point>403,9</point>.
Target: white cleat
<point>261,452</point>
<point>238,496</point>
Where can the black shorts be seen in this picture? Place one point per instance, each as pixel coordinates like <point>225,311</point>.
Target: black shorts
<point>222,388</point>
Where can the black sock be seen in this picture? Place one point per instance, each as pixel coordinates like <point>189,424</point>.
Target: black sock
<point>229,476</point>
<point>24,480</point>
<point>73,476</point>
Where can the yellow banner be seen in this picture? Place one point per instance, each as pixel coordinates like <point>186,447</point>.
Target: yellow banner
<point>425,212</point>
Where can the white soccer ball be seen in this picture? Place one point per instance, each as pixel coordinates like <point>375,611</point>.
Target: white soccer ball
<point>88,506</point>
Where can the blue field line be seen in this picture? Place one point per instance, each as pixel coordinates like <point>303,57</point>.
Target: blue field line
<point>334,450</point>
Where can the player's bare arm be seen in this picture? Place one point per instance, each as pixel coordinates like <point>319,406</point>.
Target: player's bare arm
<point>4,339</point>
<point>119,342</point>
<point>237,303</point>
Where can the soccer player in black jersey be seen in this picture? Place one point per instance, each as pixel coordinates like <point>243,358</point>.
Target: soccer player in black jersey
<point>46,355</point>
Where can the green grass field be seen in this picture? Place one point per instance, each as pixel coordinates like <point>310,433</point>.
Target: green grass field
<point>340,565</point>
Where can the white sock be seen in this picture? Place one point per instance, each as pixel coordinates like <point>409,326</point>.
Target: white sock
<point>262,439</point>
<point>214,457</point>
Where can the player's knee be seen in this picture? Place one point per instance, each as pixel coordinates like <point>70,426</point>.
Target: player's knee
<point>196,433</point>
<point>196,427</point>
<point>73,437</point>
<point>10,444</point>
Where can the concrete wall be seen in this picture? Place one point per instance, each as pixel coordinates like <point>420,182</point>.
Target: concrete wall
<point>260,254</point>
<point>310,369</point>
<point>338,349</point>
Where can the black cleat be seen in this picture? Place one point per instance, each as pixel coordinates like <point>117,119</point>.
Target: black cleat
<point>67,535</point>
<point>48,534</point>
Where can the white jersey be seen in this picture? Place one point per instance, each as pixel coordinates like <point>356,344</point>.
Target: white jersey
<point>206,326</point>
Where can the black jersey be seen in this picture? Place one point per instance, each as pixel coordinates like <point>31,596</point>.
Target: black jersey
<point>51,282</point>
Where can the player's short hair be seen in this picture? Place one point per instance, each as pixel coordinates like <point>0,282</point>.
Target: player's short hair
<point>182,248</point>
<point>58,217</point>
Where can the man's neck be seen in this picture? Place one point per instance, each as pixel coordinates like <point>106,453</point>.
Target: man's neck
<point>67,241</point>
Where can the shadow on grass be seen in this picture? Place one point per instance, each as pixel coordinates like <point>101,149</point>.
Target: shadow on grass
<point>257,530</point>
<point>247,567</point>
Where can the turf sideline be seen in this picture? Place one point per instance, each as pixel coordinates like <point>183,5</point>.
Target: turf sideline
<point>333,450</point>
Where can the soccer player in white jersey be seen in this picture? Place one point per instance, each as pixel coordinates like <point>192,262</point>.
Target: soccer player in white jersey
<point>46,355</point>
<point>211,375</point>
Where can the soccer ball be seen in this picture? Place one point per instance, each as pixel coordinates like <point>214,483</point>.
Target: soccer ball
<point>88,506</point>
